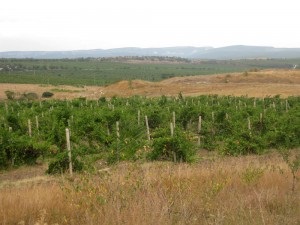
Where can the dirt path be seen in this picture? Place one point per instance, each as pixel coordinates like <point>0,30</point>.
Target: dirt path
<point>24,175</point>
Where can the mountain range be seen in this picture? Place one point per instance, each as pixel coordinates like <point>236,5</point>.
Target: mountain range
<point>229,52</point>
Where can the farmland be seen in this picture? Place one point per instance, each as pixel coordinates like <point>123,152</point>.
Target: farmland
<point>230,125</point>
<point>253,84</point>
<point>184,150</point>
<point>79,72</point>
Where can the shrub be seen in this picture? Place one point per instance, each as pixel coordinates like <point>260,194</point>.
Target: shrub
<point>61,163</point>
<point>29,96</point>
<point>102,99</point>
<point>3,159</point>
<point>173,148</point>
<point>10,95</point>
<point>18,150</point>
<point>47,94</point>
<point>13,122</point>
<point>154,119</point>
<point>243,144</point>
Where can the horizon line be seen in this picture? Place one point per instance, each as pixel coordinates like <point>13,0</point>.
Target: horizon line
<point>178,46</point>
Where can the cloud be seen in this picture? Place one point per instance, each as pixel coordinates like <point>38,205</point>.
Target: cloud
<point>26,44</point>
<point>65,25</point>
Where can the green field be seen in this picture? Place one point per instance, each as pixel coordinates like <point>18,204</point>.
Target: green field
<point>106,71</point>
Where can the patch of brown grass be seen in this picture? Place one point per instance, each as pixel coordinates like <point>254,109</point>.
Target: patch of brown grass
<point>255,84</point>
<point>233,190</point>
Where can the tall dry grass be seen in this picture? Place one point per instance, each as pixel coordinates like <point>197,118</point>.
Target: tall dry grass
<point>240,190</point>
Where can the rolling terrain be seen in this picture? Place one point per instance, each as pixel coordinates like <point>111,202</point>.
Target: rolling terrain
<point>228,52</point>
<point>253,84</point>
<point>216,189</point>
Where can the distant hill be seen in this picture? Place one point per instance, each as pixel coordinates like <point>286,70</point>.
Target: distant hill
<point>230,52</point>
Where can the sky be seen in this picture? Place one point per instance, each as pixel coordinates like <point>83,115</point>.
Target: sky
<point>45,25</point>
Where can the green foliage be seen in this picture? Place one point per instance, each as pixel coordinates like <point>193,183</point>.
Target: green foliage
<point>93,127</point>
<point>154,119</point>
<point>3,159</point>
<point>17,150</point>
<point>180,96</point>
<point>13,122</point>
<point>129,145</point>
<point>293,162</point>
<point>243,144</point>
<point>102,99</point>
<point>176,148</point>
<point>61,163</point>
<point>251,175</point>
<point>186,115</point>
<point>47,94</point>
<point>109,70</point>
<point>29,96</point>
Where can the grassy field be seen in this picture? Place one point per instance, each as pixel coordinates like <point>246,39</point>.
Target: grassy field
<point>106,71</point>
<point>230,190</point>
<point>251,189</point>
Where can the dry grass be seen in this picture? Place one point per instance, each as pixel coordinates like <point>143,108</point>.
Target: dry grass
<point>243,190</point>
<point>254,84</point>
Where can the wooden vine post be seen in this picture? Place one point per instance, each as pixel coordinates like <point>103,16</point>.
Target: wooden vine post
<point>174,119</point>
<point>172,129</point>
<point>118,139</point>
<point>69,151</point>
<point>199,130</point>
<point>139,117</point>
<point>249,124</point>
<point>29,128</point>
<point>37,124</point>
<point>147,126</point>
<point>118,129</point>
<point>6,108</point>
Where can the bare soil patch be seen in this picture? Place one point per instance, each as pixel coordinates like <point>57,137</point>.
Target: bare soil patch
<point>253,84</point>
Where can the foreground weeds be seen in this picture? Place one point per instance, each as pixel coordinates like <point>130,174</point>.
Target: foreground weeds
<point>233,190</point>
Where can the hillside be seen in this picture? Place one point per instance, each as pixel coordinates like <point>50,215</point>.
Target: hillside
<point>255,84</point>
<point>229,52</point>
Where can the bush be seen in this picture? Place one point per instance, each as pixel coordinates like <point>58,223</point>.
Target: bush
<point>18,150</point>
<point>47,94</point>
<point>13,122</point>
<point>177,148</point>
<point>3,159</point>
<point>102,99</point>
<point>154,119</point>
<point>61,163</point>
<point>243,144</point>
<point>10,95</point>
<point>29,96</point>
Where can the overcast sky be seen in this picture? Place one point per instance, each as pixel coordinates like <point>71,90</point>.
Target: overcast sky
<point>92,24</point>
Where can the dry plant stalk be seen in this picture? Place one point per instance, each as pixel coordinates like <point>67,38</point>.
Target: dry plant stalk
<point>233,190</point>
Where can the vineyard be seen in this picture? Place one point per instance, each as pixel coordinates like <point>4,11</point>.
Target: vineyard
<point>105,71</point>
<point>139,128</point>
